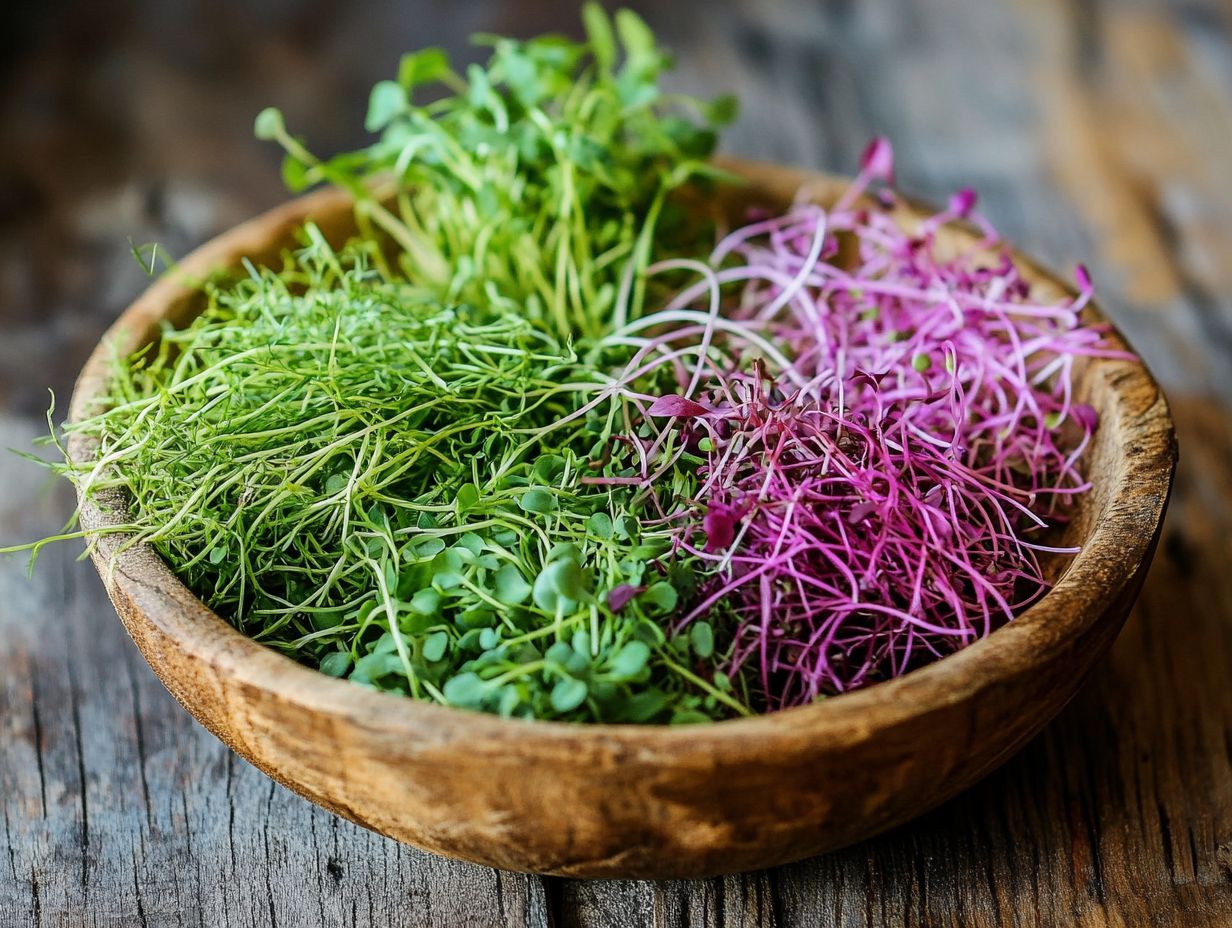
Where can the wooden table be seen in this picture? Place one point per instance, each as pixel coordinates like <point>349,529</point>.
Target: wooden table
<point>1100,132</point>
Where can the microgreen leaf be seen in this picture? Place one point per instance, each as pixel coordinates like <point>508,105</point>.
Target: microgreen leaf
<point>558,585</point>
<point>600,524</point>
<point>620,596</point>
<point>581,642</point>
<point>387,100</point>
<point>599,34</point>
<point>677,406</point>
<point>511,587</point>
<point>647,704</point>
<point>468,496</point>
<point>268,125</point>
<point>429,548</point>
<point>336,663</point>
<point>722,110</point>
<point>434,646</point>
<point>629,661</point>
<point>422,67</point>
<point>426,602</point>
<point>465,690</point>
<point>295,174</point>
<point>701,637</point>
<point>568,694</point>
<point>538,500</point>
<point>660,596</point>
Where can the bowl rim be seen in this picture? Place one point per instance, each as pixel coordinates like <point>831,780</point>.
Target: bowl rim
<point>1117,548</point>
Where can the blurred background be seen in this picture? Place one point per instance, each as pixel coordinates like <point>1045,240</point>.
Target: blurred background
<point>1094,130</point>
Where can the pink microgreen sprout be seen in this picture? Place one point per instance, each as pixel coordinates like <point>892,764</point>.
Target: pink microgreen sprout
<point>887,439</point>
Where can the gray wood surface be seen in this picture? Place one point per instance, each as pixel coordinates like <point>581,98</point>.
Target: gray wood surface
<point>1094,131</point>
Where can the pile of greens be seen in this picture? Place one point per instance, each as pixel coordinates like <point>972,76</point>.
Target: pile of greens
<point>537,186</point>
<point>400,461</point>
<point>455,458</point>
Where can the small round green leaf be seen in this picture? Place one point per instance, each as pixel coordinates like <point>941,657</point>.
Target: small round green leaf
<point>581,642</point>
<point>426,602</point>
<point>429,547</point>
<point>388,99</point>
<point>568,694</point>
<point>600,525</point>
<point>559,585</point>
<point>465,690</point>
<point>689,717</point>
<point>565,551</point>
<point>469,541</point>
<point>701,637</point>
<point>336,663</point>
<point>447,569</point>
<point>509,699</point>
<point>577,663</point>
<point>421,67</point>
<point>538,500</point>
<point>269,124</point>
<point>295,174</point>
<point>723,110</point>
<point>477,617</point>
<point>511,587</point>
<point>645,705</point>
<point>568,578</point>
<point>468,496</point>
<point>629,660</point>
<point>547,467</point>
<point>660,597</point>
<point>434,646</point>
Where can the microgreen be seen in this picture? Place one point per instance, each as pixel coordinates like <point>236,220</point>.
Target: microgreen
<point>883,441</point>
<point>538,182</point>
<point>377,484</point>
<point>458,459</point>
<point>396,462</point>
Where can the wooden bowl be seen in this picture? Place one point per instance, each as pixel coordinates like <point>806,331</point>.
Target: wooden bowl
<point>645,801</point>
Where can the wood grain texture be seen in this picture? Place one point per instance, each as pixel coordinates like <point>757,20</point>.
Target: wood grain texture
<point>127,120</point>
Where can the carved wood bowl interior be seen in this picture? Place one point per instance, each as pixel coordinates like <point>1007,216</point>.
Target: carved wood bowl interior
<point>645,801</point>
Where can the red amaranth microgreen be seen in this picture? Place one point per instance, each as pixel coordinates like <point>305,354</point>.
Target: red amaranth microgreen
<point>888,437</point>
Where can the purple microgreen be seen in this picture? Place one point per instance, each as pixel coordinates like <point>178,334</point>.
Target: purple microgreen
<point>887,440</point>
<point>621,595</point>
<point>678,407</point>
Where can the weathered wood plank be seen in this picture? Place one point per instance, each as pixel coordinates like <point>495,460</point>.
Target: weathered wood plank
<point>118,809</point>
<point>1100,131</point>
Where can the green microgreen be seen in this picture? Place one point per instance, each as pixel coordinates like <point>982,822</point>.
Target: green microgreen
<point>538,183</point>
<point>378,484</point>
<point>399,461</point>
